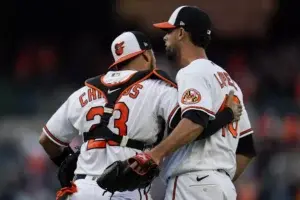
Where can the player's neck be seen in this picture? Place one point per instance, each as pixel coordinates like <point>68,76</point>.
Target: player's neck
<point>190,53</point>
<point>135,67</point>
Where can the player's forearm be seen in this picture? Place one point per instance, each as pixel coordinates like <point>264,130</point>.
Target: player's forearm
<point>185,132</point>
<point>50,147</point>
<point>242,161</point>
<point>244,154</point>
<point>222,119</point>
<point>56,153</point>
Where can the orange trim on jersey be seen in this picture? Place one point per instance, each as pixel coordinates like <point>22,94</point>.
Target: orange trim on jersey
<point>115,84</point>
<point>91,86</point>
<point>172,113</point>
<point>198,108</point>
<point>174,188</point>
<point>163,78</point>
<point>246,131</point>
<point>48,133</point>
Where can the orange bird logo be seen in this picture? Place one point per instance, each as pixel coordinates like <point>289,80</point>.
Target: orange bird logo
<point>119,48</point>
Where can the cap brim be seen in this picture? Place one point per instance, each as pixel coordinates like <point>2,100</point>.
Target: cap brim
<point>164,25</point>
<point>124,58</point>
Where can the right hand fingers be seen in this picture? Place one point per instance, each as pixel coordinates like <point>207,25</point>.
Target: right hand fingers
<point>237,112</point>
<point>240,107</point>
<point>230,98</point>
<point>134,165</point>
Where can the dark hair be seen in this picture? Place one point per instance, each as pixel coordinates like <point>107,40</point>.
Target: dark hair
<point>200,40</point>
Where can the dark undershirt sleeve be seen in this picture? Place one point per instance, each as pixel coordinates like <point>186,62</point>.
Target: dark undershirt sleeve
<point>222,119</point>
<point>246,146</point>
<point>196,116</point>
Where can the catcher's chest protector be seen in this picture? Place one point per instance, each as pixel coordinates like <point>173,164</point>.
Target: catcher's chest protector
<point>139,76</point>
<point>101,131</point>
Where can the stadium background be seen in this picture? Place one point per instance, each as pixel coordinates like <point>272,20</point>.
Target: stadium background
<point>48,48</point>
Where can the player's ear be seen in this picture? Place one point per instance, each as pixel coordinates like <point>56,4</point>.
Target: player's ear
<point>147,56</point>
<point>181,33</point>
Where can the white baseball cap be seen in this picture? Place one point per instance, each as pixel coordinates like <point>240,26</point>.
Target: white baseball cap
<point>128,45</point>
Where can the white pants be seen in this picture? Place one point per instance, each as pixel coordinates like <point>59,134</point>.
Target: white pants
<point>87,189</point>
<point>211,185</point>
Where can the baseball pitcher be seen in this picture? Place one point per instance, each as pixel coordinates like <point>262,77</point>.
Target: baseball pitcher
<point>200,169</point>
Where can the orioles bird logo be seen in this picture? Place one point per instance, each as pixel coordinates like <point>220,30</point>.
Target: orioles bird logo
<point>191,96</point>
<point>119,48</point>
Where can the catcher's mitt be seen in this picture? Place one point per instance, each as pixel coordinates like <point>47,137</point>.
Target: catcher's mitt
<point>66,170</point>
<point>134,173</point>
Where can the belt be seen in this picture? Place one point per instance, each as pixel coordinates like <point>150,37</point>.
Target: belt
<point>84,176</point>
<point>218,170</point>
<point>102,132</point>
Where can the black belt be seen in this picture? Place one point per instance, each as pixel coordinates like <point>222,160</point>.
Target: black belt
<point>105,133</point>
<point>79,176</point>
<point>83,176</point>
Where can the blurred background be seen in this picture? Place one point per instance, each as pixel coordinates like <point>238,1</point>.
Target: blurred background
<point>49,48</point>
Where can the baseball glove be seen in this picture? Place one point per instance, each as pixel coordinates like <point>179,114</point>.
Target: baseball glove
<point>66,170</point>
<point>137,172</point>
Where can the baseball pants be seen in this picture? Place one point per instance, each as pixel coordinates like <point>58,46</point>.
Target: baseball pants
<point>87,188</point>
<point>201,185</point>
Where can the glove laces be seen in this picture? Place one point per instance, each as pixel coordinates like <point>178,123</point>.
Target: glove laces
<point>146,191</point>
<point>112,194</point>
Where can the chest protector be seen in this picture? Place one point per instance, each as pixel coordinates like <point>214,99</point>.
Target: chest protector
<point>101,131</point>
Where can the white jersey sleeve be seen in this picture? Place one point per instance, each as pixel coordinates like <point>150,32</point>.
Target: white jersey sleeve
<point>168,106</point>
<point>194,92</point>
<point>59,128</point>
<point>245,125</point>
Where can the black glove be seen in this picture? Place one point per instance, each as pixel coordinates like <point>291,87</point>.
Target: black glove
<point>135,173</point>
<point>66,170</point>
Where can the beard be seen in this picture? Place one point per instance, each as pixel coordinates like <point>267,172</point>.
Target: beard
<point>171,53</point>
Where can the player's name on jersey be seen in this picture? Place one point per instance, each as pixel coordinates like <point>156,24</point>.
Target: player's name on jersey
<point>93,94</point>
<point>89,96</point>
<point>224,79</point>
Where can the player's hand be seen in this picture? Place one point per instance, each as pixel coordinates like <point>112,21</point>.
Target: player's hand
<point>134,165</point>
<point>235,106</point>
<point>156,158</point>
<point>136,172</point>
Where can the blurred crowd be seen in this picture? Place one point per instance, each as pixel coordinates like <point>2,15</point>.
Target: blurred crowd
<point>50,57</point>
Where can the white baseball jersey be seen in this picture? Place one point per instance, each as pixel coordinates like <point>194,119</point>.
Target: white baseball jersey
<point>203,86</point>
<point>139,114</point>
